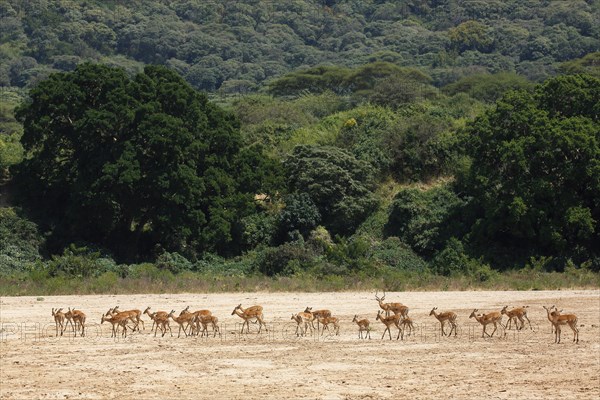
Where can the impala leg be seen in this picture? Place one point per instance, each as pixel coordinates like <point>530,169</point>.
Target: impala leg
<point>495,328</point>
<point>527,318</point>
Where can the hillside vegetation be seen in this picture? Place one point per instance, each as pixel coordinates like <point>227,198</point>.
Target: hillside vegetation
<point>317,141</point>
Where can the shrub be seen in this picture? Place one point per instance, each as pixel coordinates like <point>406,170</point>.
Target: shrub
<point>173,262</point>
<point>283,260</point>
<point>75,262</point>
<point>20,241</point>
<point>425,219</point>
<point>393,253</point>
<point>454,261</point>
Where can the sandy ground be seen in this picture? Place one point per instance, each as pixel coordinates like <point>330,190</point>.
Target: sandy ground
<point>34,364</point>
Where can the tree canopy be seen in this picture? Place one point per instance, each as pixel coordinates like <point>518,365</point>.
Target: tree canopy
<point>535,172</point>
<point>134,163</point>
<point>336,182</point>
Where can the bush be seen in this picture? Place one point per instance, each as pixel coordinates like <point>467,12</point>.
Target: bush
<point>76,262</point>
<point>173,262</point>
<point>106,282</point>
<point>425,219</point>
<point>395,254</point>
<point>20,242</point>
<point>453,261</point>
<point>284,260</point>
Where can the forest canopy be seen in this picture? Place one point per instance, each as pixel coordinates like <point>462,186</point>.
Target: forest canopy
<point>307,138</point>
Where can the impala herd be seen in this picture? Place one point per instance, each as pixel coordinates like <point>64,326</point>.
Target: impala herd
<point>391,315</point>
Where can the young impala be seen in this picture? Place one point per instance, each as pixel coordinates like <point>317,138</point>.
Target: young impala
<point>443,317</point>
<point>494,317</point>
<point>557,319</point>
<point>254,312</point>
<point>388,322</point>
<point>517,314</point>
<point>363,326</point>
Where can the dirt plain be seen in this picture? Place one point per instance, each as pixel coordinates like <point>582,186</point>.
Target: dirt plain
<point>526,364</point>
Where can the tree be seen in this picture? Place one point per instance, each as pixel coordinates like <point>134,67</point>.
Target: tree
<point>132,164</point>
<point>535,171</point>
<point>470,35</point>
<point>337,183</point>
<point>425,219</point>
<point>299,216</point>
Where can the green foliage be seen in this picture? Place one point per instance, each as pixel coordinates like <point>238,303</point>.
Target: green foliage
<point>470,35</point>
<point>337,183</point>
<point>395,254</point>
<point>422,147</point>
<point>453,261</point>
<point>20,241</point>
<point>173,262</point>
<point>142,162</point>
<point>233,47</point>
<point>488,87</point>
<point>425,219</point>
<point>285,259</point>
<point>589,65</point>
<point>75,262</point>
<point>534,172</point>
<point>299,216</point>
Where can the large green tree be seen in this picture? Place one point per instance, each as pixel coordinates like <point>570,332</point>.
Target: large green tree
<point>337,183</point>
<point>132,164</point>
<point>535,173</point>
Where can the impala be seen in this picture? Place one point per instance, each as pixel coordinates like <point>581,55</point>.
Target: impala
<point>160,314</point>
<point>116,320</point>
<point>363,325</point>
<point>254,312</point>
<point>298,319</point>
<point>330,321</point>
<point>183,320</point>
<point>318,314</point>
<point>559,319</point>
<point>197,318</point>
<point>388,322</point>
<point>493,317</point>
<point>443,317</point>
<point>305,318</point>
<point>59,320</point>
<point>162,319</point>
<point>208,319</point>
<point>75,318</point>
<point>396,308</point>
<point>407,323</point>
<point>135,316</point>
<point>517,314</point>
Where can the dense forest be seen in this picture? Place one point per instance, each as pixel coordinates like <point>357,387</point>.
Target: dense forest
<point>299,138</point>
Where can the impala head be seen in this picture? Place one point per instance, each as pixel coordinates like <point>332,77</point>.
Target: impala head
<point>503,311</point>
<point>308,309</point>
<point>355,318</point>
<point>433,311</point>
<point>237,308</point>
<point>103,318</point>
<point>378,298</point>
<point>116,309</point>
<point>378,315</point>
<point>171,314</point>
<point>147,311</point>
<point>184,311</point>
<point>473,315</point>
